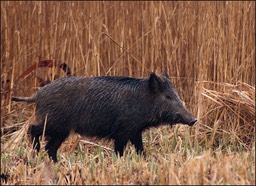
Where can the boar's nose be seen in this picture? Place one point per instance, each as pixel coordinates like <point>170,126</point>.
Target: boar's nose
<point>192,122</point>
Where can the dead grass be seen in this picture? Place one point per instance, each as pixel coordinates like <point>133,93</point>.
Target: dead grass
<point>208,48</point>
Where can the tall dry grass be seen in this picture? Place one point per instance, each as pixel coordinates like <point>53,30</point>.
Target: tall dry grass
<point>208,49</point>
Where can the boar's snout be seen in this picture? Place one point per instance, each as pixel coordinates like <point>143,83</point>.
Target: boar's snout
<point>192,122</point>
<point>185,118</point>
<point>189,120</point>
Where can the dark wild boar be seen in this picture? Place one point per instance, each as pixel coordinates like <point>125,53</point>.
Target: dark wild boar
<point>111,107</point>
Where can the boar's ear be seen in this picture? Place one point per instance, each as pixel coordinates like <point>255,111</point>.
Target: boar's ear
<point>155,83</point>
<point>165,74</point>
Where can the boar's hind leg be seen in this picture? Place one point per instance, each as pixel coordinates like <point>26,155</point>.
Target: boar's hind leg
<point>36,131</point>
<point>136,140</point>
<point>54,143</point>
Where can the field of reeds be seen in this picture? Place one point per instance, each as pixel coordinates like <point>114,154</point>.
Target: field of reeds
<point>208,49</point>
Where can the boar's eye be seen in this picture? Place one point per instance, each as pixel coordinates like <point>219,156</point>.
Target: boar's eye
<point>168,97</point>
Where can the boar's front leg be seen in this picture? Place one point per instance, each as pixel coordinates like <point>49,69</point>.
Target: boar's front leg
<point>120,145</point>
<point>136,140</point>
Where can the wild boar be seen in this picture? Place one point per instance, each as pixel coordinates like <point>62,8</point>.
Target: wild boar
<point>111,107</point>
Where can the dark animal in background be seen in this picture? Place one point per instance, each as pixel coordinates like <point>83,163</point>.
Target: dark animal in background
<point>111,107</point>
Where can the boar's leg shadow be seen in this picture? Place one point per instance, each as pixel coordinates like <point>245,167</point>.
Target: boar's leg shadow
<point>54,142</point>
<point>136,140</point>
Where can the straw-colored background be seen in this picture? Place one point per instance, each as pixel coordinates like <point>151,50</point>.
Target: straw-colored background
<point>194,41</point>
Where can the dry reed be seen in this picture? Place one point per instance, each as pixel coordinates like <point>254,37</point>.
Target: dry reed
<point>233,111</point>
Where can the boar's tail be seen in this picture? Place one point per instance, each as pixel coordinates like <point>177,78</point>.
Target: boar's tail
<point>24,99</point>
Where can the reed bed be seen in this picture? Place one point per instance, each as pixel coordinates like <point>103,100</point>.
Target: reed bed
<point>208,48</point>
<point>231,112</point>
